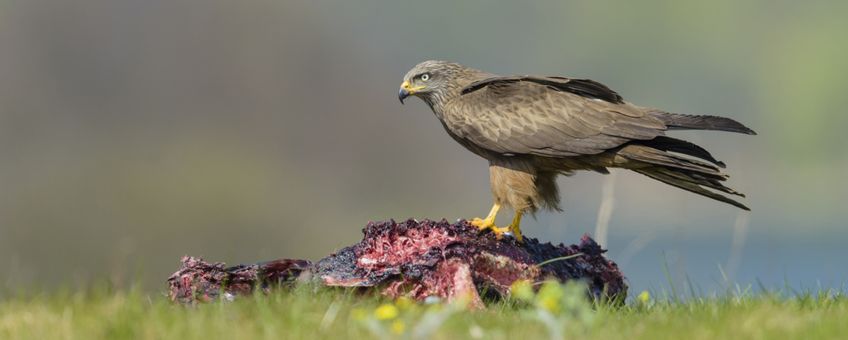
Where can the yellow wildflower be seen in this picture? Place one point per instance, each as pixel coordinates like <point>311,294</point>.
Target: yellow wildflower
<point>398,327</point>
<point>386,312</point>
<point>522,290</point>
<point>550,297</point>
<point>644,297</point>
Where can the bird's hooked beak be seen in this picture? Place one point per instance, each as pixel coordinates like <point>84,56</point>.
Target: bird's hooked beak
<point>402,94</point>
<point>406,90</point>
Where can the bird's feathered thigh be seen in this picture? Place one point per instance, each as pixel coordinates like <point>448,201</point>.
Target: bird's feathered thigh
<point>518,183</point>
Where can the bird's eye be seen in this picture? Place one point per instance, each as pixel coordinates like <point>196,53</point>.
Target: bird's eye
<point>425,77</point>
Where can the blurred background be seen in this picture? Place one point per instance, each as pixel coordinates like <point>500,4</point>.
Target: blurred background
<point>135,132</point>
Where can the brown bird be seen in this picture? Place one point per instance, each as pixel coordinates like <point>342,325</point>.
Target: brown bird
<point>533,128</point>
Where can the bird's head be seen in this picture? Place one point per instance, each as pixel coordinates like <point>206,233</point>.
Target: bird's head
<point>435,81</point>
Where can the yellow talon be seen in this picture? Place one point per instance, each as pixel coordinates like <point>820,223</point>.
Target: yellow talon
<point>482,223</point>
<point>513,228</point>
<point>489,221</point>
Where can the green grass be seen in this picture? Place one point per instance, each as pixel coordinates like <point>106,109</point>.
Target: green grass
<point>308,312</point>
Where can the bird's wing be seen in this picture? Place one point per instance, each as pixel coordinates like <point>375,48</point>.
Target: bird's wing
<point>584,87</point>
<point>548,116</point>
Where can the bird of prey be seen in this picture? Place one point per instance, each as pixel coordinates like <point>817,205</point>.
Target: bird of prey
<point>533,128</point>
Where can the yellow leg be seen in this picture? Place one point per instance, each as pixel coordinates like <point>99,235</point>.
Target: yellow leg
<point>489,221</point>
<point>515,227</point>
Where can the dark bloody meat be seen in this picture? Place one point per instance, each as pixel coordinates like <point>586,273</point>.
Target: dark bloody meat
<point>414,259</point>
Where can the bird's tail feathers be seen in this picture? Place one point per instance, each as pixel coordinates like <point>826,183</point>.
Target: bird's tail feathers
<point>700,122</point>
<point>683,172</point>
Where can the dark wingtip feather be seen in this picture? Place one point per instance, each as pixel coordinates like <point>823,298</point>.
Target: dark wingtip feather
<point>666,143</point>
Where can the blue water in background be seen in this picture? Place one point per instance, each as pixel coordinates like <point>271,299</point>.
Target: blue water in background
<point>808,262</point>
